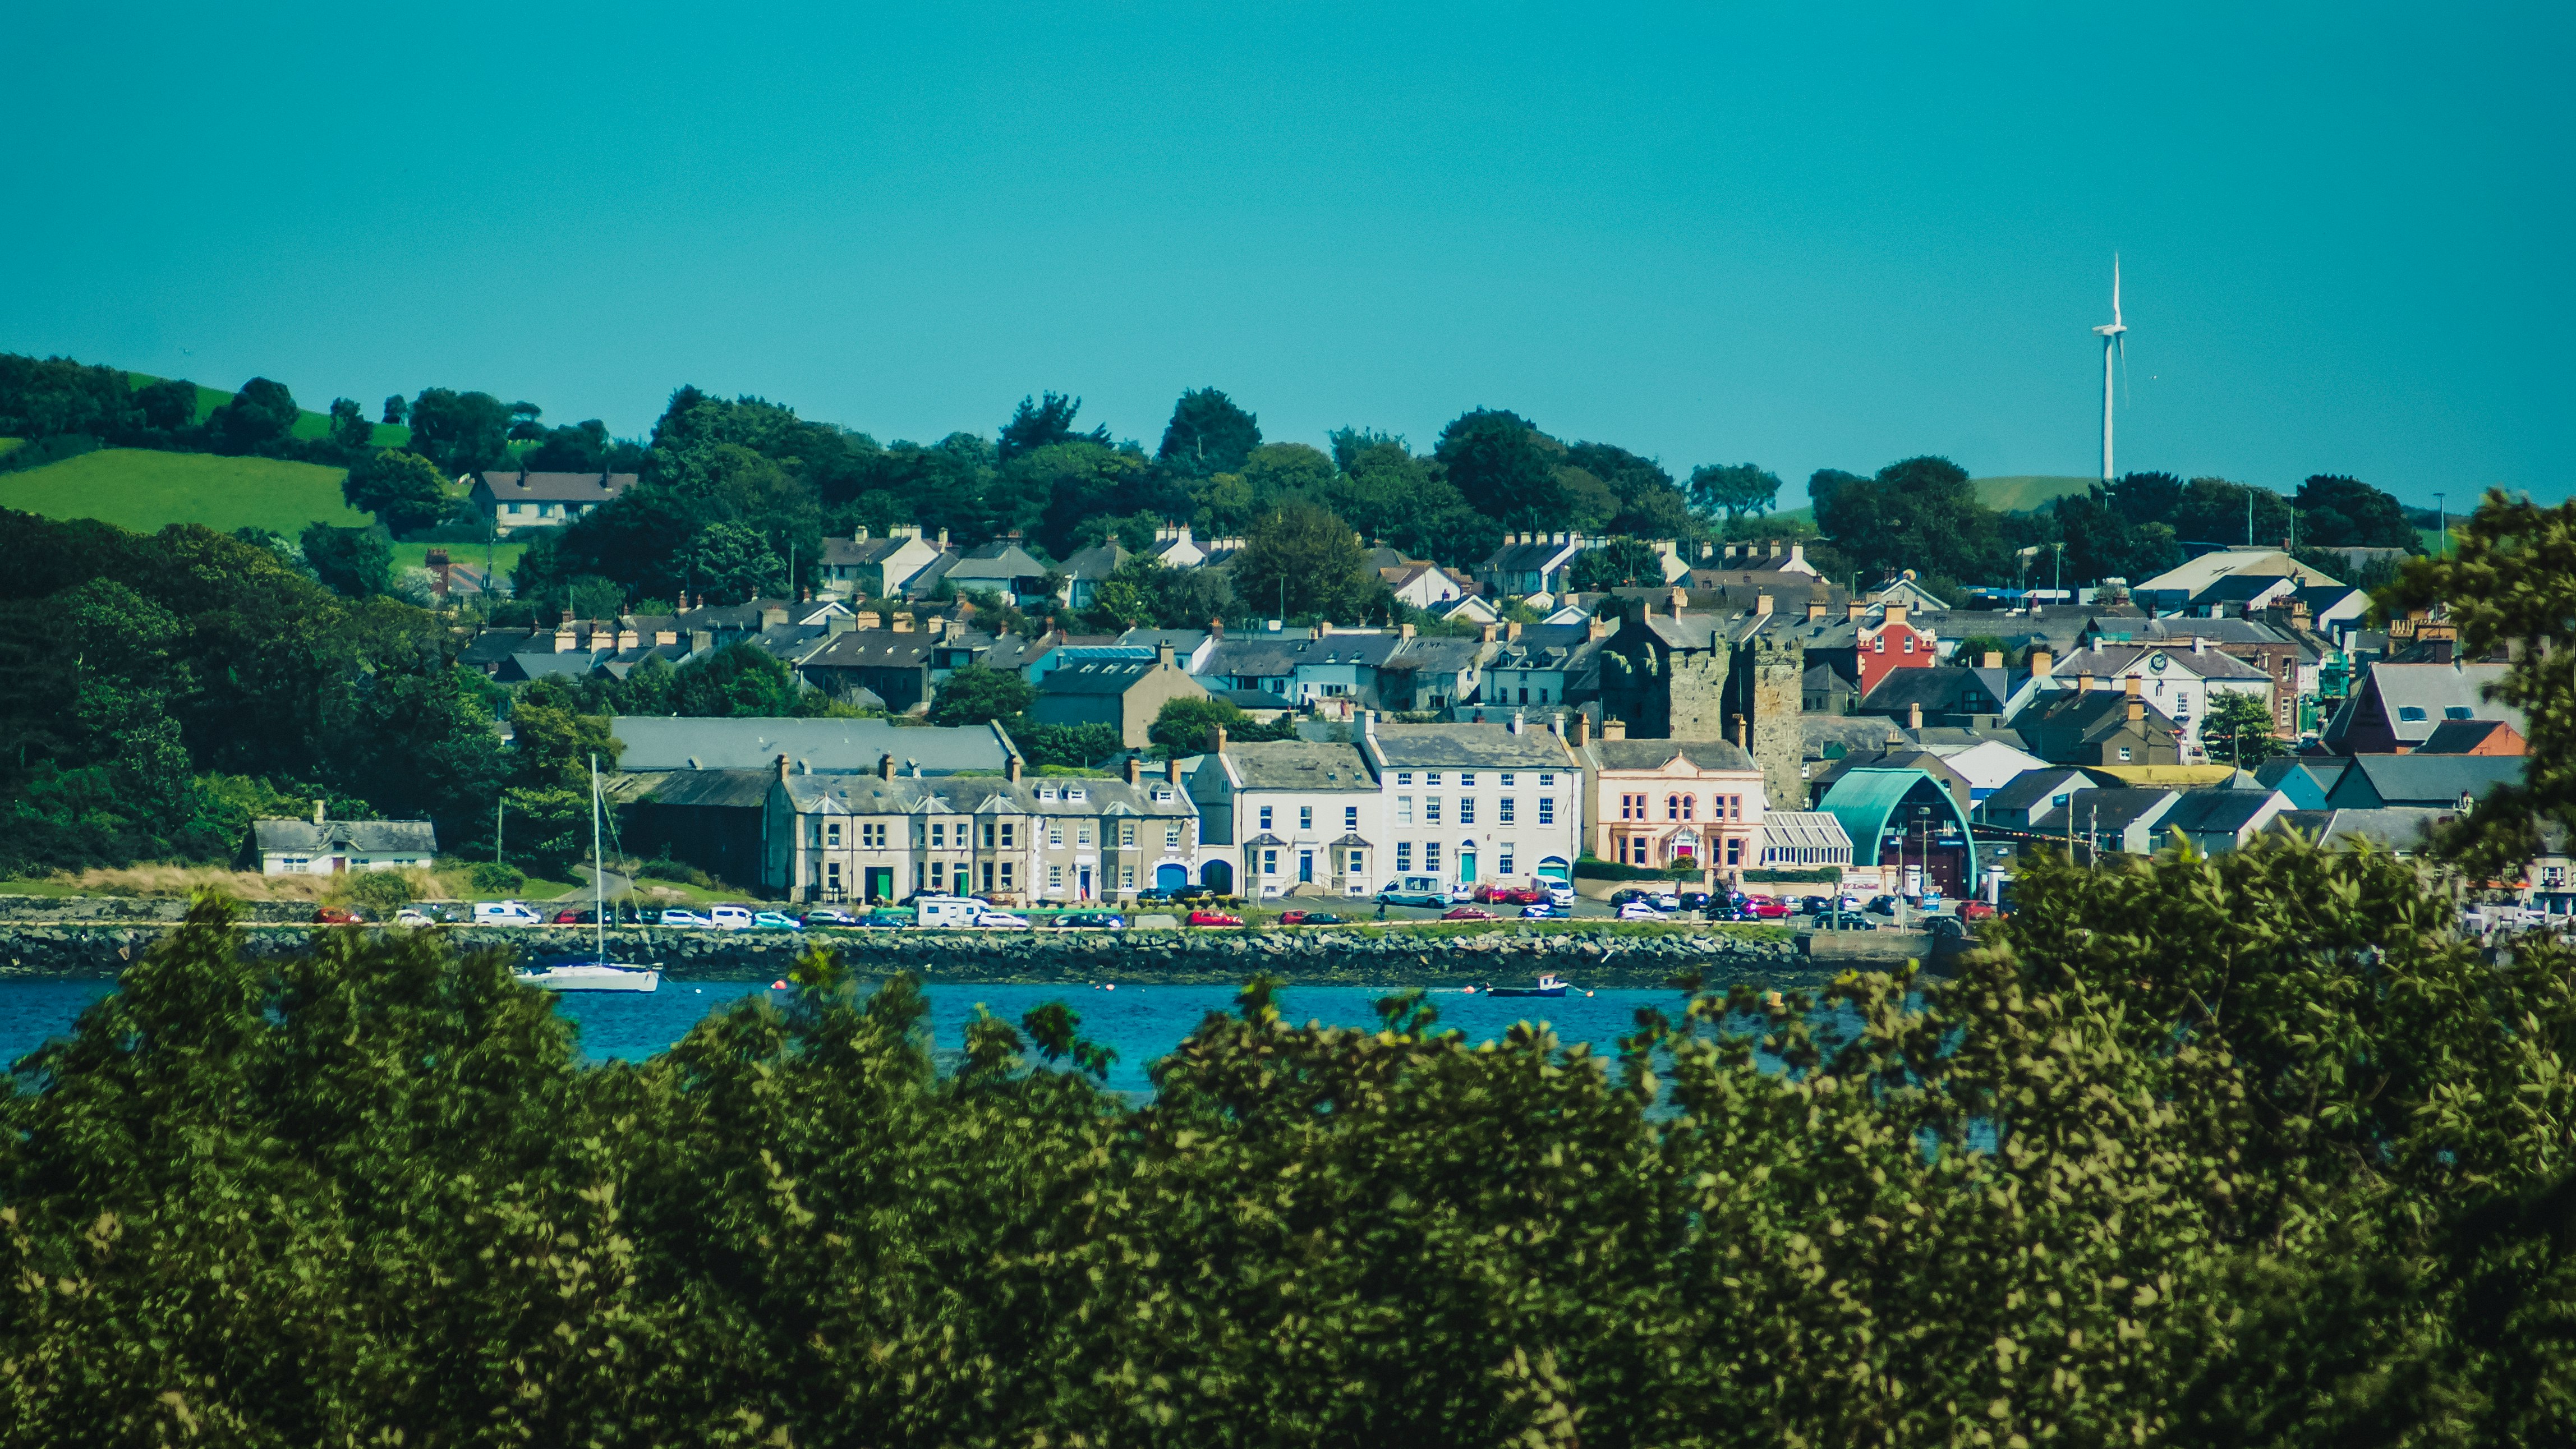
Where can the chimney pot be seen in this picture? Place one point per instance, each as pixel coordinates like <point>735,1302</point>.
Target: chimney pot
<point>1613,729</point>
<point>782,769</point>
<point>1219,747</point>
<point>1172,770</point>
<point>1914,715</point>
<point>1135,770</point>
<point>885,766</point>
<point>1994,659</point>
<point>2041,662</point>
<point>1582,728</point>
<point>1011,768</point>
<point>1815,611</point>
<point>1762,603</point>
<point>317,812</point>
<point>1895,614</point>
<point>2084,682</point>
<point>1853,610</point>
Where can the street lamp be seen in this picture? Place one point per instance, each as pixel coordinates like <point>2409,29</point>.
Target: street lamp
<point>1923,835</point>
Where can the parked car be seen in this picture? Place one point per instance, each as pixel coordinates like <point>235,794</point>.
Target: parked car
<point>1698,900</point>
<point>338,916</point>
<point>1309,918</point>
<point>1537,911</point>
<point>676,916</point>
<point>879,920</point>
<point>1151,895</point>
<point>408,916</point>
<point>1093,920</point>
<point>1498,894</point>
<point>1414,890</point>
<point>1882,905</point>
<point>1559,893</point>
<point>1195,893</point>
<point>1000,921</point>
<point>1765,908</point>
<point>1468,913</point>
<point>1845,921</point>
<point>1977,911</point>
<point>815,920</point>
<point>1625,894</point>
<point>576,916</point>
<point>772,921</point>
<point>504,913</point>
<point>1666,901</point>
<point>1640,911</point>
<point>730,918</point>
<point>1214,918</point>
<point>1945,926</point>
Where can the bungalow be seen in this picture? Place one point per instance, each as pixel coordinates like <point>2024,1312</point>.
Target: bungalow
<point>334,847</point>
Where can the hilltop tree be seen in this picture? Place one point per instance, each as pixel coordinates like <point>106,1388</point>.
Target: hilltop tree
<point>396,410</point>
<point>258,416</point>
<point>356,563</point>
<point>461,432</point>
<point>1302,559</point>
<point>349,425</point>
<point>169,405</point>
<point>1037,424</point>
<point>2340,512</point>
<point>1208,434</point>
<point>1734,489</point>
<point>402,489</point>
<point>1496,461</point>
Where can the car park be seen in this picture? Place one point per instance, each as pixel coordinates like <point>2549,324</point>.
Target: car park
<point>1092,920</point>
<point>676,916</point>
<point>1214,918</point>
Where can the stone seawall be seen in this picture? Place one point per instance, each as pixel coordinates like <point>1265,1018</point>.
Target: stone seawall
<point>1364,956</point>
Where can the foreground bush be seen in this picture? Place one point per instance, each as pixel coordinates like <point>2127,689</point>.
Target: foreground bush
<point>2243,1151</point>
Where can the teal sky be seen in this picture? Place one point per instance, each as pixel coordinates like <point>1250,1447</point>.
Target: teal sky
<point>1800,235</point>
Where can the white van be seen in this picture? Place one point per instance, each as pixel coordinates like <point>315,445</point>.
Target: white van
<point>731,918</point>
<point>504,913</point>
<point>1415,890</point>
<point>947,910</point>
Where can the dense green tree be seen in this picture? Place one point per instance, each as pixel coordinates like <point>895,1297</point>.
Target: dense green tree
<point>524,424</point>
<point>1049,491</point>
<point>2340,512</point>
<point>1188,726</point>
<point>55,396</point>
<point>1304,560</point>
<point>583,447</point>
<point>169,405</point>
<point>1349,442</point>
<point>1736,490</point>
<point>1081,746</point>
<point>397,409</point>
<point>461,432</point>
<point>1208,434</point>
<point>355,562</point>
<point>2215,511</point>
<point>402,489</point>
<point>2147,497</point>
<point>1038,424</point>
<point>1919,513</point>
<point>977,695</point>
<point>1500,464</point>
<point>1621,563</point>
<point>349,425</point>
<point>2238,729</point>
<point>732,563</point>
<point>259,416</point>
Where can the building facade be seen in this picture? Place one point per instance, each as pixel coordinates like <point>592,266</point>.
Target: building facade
<point>1477,804</point>
<point>1288,817</point>
<point>1667,803</point>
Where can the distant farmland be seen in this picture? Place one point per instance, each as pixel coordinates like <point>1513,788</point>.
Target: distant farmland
<point>145,491</point>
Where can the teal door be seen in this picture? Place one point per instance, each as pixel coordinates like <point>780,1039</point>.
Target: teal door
<point>1467,867</point>
<point>1171,877</point>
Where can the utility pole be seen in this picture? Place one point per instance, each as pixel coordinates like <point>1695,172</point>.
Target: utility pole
<point>496,832</point>
<point>2441,524</point>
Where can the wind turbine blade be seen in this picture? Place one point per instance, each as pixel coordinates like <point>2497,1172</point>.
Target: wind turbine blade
<point>2115,289</point>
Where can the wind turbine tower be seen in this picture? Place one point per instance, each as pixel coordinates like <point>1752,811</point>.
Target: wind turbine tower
<point>2111,348</point>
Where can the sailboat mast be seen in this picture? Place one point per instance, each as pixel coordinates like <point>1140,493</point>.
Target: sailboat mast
<point>598,870</point>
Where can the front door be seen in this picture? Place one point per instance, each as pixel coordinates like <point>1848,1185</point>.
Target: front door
<point>1466,867</point>
<point>1306,867</point>
<point>880,883</point>
<point>1086,882</point>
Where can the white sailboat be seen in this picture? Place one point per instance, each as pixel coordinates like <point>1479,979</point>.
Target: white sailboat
<point>599,973</point>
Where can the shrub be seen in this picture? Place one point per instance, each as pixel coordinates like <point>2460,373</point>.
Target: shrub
<point>491,877</point>
<point>386,890</point>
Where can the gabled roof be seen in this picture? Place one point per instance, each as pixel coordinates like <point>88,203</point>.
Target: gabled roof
<point>1656,754</point>
<point>1097,676</point>
<point>2462,736</point>
<point>1940,689</point>
<point>2095,714</point>
<point>2432,781</point>
<point>362,837</point>
<point>2033,787</point>
<point>2105,809</point>
<point>981,795</point>
<point>1471,746</point>
<point>998,560</point>
<point>1097,562</point>
<point>1303,765</point>
<point>2209,812</point>
<point>556,487</point>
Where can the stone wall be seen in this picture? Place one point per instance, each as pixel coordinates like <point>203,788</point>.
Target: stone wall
<point>1595,957</point>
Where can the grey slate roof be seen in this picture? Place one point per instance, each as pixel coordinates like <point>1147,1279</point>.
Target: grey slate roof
<point>361,837</point>
<point>821,745</point>
<point>2103,810</point>
<point>1655,754</point>
<point>2438,781</point>
<point>1300,765</point>
<point>1471,746</point>
<point>556,487</point>
<point>1096,676</point>
<point>2207,812</point>
<point>984,794</point>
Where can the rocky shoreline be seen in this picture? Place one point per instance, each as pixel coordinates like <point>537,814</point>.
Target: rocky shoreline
<point>1758,957</point>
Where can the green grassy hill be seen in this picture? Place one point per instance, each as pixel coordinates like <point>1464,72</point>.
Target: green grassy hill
<point>2025,491</point>
<point>309,424</point>
<point>144,491</point>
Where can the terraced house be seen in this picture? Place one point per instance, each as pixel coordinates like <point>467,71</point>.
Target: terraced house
<point>1477,803</point>
<point>1013,839</point>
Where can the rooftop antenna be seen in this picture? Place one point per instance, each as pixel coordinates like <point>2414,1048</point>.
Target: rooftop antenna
<point>2111,348</point>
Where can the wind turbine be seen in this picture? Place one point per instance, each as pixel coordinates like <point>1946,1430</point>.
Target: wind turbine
<point>2111,347</point>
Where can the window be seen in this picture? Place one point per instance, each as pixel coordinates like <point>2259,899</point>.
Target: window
<point>1909,643</point>
<point>1305,817</point>
<point>1126,877</point>
<point>1546,780</point>
<point>872,836</point>
<point>1430,809</point>
<point>1431,856</point>
<point>1632,807</point>
<point>939,875</point>
<point>1734,851</point>
<point>1355,862</point>
<point>1404,777</point>
<point>2124,754</point>
<point>1074,793</point>
<point>1006,835</point>
<point>2410,712</point>
<point>1547,810</point>
<point>1265,817</point>
<point>1878,645</point>
<point>1503,810</point>
<point>1126,833</point>
<point>1403,856</point>
<point>1466,809</point>
<point>2455,711</point>
<point>1404,810</point>
<point>1055,877</point>
<point>1467,782</point>
<point>1082,833</point>
<point>832,875</point>
<point>1055,832</point>
<point>988,835</point>
<point>1431,777</point>
<point>831,832</point>
<point>1270,862</point>
<point>1634,849</point>
<point>1503,858</point>
<point>1350,817</point>
<point>1507,780</point>
<point>1006,875</point>
<point>938,835</point>
<point>1172,836</point>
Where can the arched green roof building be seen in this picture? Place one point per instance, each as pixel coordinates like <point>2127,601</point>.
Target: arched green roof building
<point>1876,806</point>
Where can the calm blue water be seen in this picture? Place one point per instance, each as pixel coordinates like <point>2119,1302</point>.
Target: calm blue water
<point>1140,1022</point>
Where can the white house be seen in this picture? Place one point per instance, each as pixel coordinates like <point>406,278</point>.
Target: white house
<point>334,847</point>
<point>1296,816</point>
<point>1477,803</point>
<point>513,501</point>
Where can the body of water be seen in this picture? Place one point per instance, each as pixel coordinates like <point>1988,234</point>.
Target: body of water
<point>1140,1022</point>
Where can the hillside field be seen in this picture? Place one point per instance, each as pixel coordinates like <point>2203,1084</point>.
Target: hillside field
<point>309,424</point>
<point>2023,492</point>
<point>146,491</point>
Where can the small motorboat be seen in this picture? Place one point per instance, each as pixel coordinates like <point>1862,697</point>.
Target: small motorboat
<point>1550,984</point>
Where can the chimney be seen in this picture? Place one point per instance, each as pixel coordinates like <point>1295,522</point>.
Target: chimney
<point>1163,655</point>
<point>1512,632</point>
<point>2137,708</point>
<point>1994,659</point>
<point>1011,768</point>
<point>838,625</point>
<point>1518,722</point>
<point>1219,747</point>
<point>563,619</point>
<point>1895,614</point>
<point>1853,610</point>
<point>665,638</point>
<point>943,540</point>
<point>1613,729</point>
<point>1403,631</point>
<point>1172,770</point>
<point>1815,611</point>
<point>1489,632</point>
<point>317,812</point>
<point>1582,728</point>
<point>903,623</point>
<point>885,767</point>
<point>871,619</point>
<point>1135,770</point>
<point>2199,645</point>
<point>626,638</point>
<point>1321,630</point>
<point>938,626</point>
<point>1762,603</point>
<point>1739,732</point>
<point>1914,715</point>
<point>1596,628</point>
<point>701,640</point>
<point>2084,682</point>
<point>861,536</point>
<point>564,641</point>
<point>1797,553</point>
<point>1680,598</point>
<point>1775,548</point>
<point>782,769</point>
<point>773,616</point>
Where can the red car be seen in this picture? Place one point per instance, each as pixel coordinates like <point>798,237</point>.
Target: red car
<point>1767,908</point>
<point>336,916</point>
<point>1503,895</point>
<point>1214,918</point>
<point>1468,913</point>
<point>1976,911</point>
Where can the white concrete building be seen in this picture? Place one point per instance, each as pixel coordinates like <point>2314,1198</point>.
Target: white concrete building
<point>1478,803</point>
<point>1296,817</point>
<point>334,847</point>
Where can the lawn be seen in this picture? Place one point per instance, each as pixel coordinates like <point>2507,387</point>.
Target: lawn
<point>142,490</point>
<point>10,445</point>
<point>308,423</point>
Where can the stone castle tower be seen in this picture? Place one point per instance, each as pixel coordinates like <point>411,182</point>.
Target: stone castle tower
<point>1770,685</point>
